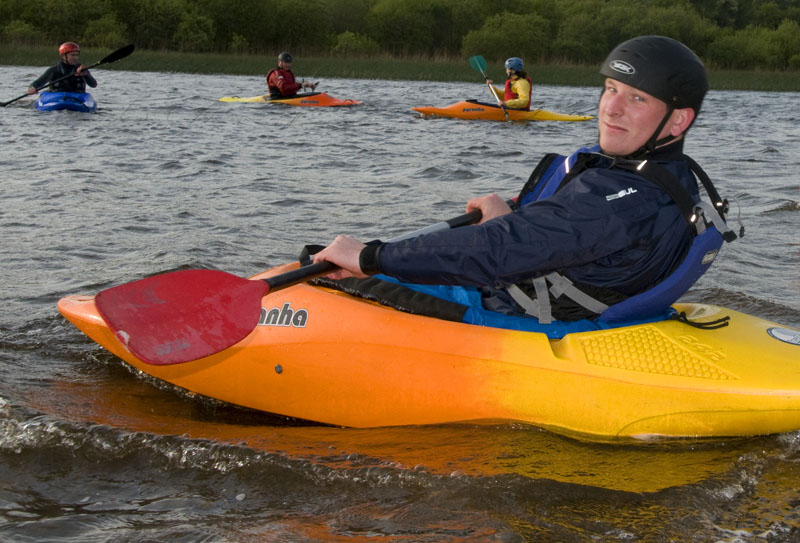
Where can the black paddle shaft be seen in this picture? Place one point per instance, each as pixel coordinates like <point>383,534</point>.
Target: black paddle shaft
<point>311,271</point>
<point>300,275</point>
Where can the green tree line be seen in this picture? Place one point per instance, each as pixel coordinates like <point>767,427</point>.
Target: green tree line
<point>737,34</point>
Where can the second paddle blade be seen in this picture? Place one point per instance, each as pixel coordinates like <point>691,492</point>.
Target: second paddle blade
<point>181,316</point>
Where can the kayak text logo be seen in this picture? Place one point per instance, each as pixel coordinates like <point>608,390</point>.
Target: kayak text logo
<point>284,316</point>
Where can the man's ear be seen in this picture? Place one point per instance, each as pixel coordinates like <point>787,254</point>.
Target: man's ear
<point>681,121</point>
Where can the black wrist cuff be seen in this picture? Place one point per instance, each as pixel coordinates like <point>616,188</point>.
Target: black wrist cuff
<point>369,260</point>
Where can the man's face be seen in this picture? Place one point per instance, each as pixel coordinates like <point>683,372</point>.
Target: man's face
<point>627,117</point>
<point>72,58</point>
<point>284,65</point>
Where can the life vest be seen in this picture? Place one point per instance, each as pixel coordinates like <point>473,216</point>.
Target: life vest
<point>288,76</point>
<point>70,84</point>
<point>511,95</point>
<point>706,222</point>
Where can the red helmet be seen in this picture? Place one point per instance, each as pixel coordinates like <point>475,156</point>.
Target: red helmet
<point>69,47</point>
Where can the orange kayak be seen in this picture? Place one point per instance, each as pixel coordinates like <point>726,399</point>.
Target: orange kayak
<point>324,356</point>
<point>474,110</point>
<point>312,99</point>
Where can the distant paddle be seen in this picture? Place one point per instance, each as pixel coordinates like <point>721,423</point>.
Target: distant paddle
<point>478,64</point>
<point>119,54</point>
<point>181,316</point>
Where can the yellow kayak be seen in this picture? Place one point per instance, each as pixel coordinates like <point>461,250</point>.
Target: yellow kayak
<point>474,110</point>
<point>312,99</point>
<point>322,355</point>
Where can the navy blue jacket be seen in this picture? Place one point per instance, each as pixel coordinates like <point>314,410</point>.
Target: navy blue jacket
<point>70,84</point>
<point>606,229</point>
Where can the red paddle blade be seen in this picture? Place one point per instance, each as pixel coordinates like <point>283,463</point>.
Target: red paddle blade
<point>182,316</point>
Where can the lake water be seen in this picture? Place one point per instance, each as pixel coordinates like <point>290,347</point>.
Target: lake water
<point>164,177</point>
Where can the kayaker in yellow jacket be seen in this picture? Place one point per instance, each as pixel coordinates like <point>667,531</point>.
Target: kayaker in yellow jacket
<point>517,91</point>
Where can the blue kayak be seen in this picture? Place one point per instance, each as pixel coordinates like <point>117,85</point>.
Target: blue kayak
<point>74,101</point>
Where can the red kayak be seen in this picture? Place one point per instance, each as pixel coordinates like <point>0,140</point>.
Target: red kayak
<point>312,99</point>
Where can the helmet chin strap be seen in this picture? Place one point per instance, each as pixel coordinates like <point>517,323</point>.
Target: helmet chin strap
<point>654,142</point>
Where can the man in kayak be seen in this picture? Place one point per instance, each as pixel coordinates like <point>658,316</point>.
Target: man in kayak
<point>517,92</point>
<point>70,64</point>
<point>587,232</point>
<point>281,80</point>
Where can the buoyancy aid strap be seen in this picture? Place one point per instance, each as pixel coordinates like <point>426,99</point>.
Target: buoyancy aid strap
<point>562,285</point>
<point>712,216</point>
<point>527,303</point>
<point>713,213</point>
<point>543,300</point>
<point>540,307</point>
<point>720,204</point>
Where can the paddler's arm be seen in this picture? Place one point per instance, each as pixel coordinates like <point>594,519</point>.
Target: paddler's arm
<point>84,73</point>
<point>357,259</point>
<point>42,80</point>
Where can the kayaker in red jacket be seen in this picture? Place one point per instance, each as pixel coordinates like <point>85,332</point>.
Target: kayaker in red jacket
<point>70,63</point>
<point>517,91</point>
<point>609,226</point>
<point>281,81</point>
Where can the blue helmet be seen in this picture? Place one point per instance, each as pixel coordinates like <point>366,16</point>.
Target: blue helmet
<point>514,63</point>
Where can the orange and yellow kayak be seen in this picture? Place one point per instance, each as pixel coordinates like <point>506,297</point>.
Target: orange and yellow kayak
<point>474,110</point>
<point>312,99</point>
<point>324,356</point>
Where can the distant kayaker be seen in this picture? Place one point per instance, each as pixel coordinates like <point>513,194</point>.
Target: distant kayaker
<point>281,81</point>
<point>70,53</point>
<point>603,229</point>
<point>517,91</point>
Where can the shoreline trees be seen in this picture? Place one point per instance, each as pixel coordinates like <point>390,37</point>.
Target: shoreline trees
<point>733,34</point>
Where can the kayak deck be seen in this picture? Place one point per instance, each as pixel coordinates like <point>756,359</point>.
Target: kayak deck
<point>474,110</point>
<point>354,363</point>
<point>313,99</point>
<point>71,101</point>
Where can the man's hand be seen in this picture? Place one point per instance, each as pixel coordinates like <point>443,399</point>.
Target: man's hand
<point>344,252</point>
<point>491,206</point>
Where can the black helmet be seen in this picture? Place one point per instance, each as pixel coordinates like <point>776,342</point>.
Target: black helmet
<point>285,57</point>
<point>660,66</point>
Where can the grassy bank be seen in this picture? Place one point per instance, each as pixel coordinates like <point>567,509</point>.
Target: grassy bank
<point>414,69</point>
